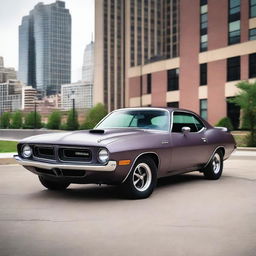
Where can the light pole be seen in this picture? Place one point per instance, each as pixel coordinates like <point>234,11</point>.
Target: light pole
<point>72,96</point>
<point>35,113</point>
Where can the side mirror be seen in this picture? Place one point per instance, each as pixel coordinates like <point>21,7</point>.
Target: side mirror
<point>185,130</point>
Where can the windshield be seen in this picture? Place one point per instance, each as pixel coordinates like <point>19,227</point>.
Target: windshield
<point>143,119</point>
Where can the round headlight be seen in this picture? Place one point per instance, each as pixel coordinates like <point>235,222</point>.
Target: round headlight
<point>26,151</point>
<point>103,156</point>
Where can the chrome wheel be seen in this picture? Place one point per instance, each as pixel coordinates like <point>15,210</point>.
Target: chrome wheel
<point>142,177</point>
<point>216,163</point>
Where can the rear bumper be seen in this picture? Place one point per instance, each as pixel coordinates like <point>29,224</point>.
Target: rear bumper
<point>109,167</point>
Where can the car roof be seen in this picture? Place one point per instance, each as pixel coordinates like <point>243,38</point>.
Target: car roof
<point>170,109</point>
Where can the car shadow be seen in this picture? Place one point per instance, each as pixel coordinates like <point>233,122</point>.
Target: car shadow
<point>105,192</point>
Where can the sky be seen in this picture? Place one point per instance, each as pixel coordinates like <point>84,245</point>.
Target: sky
<point>11,13</point>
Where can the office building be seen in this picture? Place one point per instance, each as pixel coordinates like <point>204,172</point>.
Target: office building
<point>88,63</point>
<point>10,96</point>
<point>81,92</point>
<point>45,47</point>
<point>175,53</point>
<point>109,53</point>
<point>6,73</point>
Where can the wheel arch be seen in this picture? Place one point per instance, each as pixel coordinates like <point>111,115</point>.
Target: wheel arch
<point>153,155</point>
<point>219,148</point>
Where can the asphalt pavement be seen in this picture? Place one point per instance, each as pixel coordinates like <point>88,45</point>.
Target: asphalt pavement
<point>186,215</point>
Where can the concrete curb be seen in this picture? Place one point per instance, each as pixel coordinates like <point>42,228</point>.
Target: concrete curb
<point>246,149</point>
<point>6,161</point>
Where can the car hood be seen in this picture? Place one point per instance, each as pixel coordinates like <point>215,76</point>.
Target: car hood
<point>87,138</point>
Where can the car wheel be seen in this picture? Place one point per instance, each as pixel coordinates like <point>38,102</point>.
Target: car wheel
<point>53,185</point>
<point>214,168</point>
<point>142,179</point>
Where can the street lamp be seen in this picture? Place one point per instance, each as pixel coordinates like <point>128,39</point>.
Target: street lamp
<point>72,97</point>
<point>35,112</point>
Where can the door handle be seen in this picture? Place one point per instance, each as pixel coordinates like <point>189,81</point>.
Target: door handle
<point>204,139</point>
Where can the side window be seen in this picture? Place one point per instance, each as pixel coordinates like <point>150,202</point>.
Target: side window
<point>185,119</point>
<point>198,123</point>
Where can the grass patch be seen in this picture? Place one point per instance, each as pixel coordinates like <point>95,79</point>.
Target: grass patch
<point>241,138</point>
<point>8,146</point>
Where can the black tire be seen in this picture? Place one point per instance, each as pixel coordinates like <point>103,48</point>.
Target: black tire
<point>214,168</point>
<point>53,185</point>
<point>142,179</point>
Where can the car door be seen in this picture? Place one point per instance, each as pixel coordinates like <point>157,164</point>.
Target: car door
<point>189,150</point>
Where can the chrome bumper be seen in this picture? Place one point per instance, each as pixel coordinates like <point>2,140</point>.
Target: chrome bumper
<point>110,167</point>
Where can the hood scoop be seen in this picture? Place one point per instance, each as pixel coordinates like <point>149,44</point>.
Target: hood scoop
<point>97,131</point>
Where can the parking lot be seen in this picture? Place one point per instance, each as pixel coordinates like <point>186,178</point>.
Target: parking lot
<point>186,215</point>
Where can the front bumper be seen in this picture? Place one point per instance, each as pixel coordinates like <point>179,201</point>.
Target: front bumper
<point>109,167</point>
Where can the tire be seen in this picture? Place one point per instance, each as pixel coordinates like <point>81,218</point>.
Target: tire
<point>53,185</point>
<point>142,179</point>
<point>214,168</point>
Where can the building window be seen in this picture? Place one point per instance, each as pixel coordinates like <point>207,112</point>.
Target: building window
<point>173,79</point>
<point>252,8</point>
<point>234,22</point>
<point>203,74</point>
<point>252,65</point>
<point>174,104</point>
<point>203,108</point>
<point>252,34</point>
<point>149,83</point>
<point>233,69</point>
<point>234,32</point>
<point>203,43</point>
<point>203,25</point>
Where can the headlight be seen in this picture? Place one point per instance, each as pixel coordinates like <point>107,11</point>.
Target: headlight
<point>103,156</point>
<point>26,151</point>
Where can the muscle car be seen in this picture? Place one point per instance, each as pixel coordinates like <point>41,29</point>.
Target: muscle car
<point>130,147</point>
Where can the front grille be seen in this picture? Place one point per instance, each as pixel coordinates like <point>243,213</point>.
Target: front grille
<point>46,152</point>
<point>62,153</point>
<point>75,154</point>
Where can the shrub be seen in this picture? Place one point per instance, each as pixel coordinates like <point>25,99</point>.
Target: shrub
<point>16,120</point>
<point>54,120</point>
<point>5,120</point>
<point>94,115</point>
<point>31,123</point>
<point>72,121</point>
<point>246,99</point>
<point>225,122</point>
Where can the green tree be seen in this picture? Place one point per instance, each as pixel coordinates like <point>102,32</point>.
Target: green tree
<point>246,99</point>
<point>94,115</point>
<point>54,120</point>
<point>72,120</point>
<point>225,122</point>
<point>5,120</point>
<point>32,121</point>
<point>17,120</point>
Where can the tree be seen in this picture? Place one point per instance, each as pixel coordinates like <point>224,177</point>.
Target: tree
<point>54,120</point>
<point>94,115</point>
<point>225,122</point>
<point>72,120</point>
<point>33,120</point>
<point>246,99</point>
<point>5,120</point>
<point>17,120</point>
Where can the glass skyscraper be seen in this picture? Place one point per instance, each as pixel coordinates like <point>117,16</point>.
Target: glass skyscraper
<point>45,47</point>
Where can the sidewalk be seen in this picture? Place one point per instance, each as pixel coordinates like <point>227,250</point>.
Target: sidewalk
<point>7,158</point>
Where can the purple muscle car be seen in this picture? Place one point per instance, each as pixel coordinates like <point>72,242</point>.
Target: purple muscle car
<point>130,147</point>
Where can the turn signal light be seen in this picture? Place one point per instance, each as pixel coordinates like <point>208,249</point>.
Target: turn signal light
<point>124,162</point>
